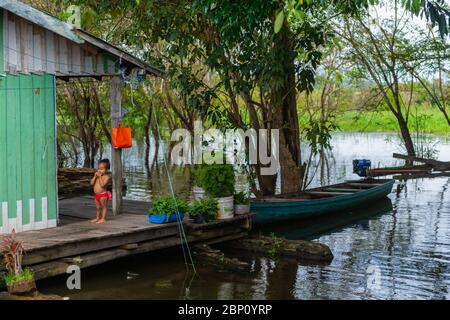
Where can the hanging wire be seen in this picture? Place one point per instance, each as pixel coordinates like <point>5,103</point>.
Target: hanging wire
<point>179,222</point>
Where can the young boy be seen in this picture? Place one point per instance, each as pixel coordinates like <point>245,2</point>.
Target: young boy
<point>102,195</point>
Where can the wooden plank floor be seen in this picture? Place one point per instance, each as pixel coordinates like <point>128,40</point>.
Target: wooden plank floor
<point>75,234</point>
<point>83,207</point>
<point>82,230</point>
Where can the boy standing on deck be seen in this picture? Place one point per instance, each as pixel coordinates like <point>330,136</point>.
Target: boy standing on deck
<point>100,182</point>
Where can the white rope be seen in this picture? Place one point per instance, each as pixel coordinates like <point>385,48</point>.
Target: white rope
<point>179,222</point>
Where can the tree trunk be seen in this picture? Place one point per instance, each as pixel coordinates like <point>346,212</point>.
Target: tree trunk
<point>406,135</point>
<point>147,134</point>
<point>60,155</point>
<point>284,108</point>
<point>87,155</point>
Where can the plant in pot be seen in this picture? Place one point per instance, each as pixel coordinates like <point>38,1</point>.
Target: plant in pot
<point>204,210</point>
<point>167,209</point>
<point>198,191</point>
<point>218,182</point>
<point>18,281</point>
<point>241,203</point>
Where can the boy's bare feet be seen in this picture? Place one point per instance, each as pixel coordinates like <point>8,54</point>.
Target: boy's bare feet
<point>94,220</point>
<point>101,221</point>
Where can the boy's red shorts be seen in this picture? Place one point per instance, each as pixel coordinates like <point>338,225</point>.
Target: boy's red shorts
<point>105,194</point>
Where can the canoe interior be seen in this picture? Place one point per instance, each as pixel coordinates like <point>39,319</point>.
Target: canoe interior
<point>340,189</point>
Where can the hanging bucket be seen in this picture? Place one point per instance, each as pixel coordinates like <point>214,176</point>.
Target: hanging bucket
<point>226,208</point>
<point>121,137</point>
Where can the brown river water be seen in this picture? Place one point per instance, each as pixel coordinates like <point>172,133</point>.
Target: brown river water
<point>398,248</point>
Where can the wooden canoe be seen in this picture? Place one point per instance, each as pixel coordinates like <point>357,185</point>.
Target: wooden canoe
<point>318,201</point>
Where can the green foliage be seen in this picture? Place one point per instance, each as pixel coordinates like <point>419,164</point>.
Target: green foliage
<point>279,20</point>
<point>25,275</point>
<point>166,205</point>
<point>216,179</point>
<point>276,245</point>
<point>424,145</point>
<point>194,178</point>
<point>241,198</point>
<point>318,134</point>
<point>206,205</point>
<point>437,11</point>
<point>384,121</point>
<point>234,39</point>
<point>196,175</point>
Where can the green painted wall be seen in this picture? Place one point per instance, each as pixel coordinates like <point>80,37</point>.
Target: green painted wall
<point>2,65</point>
<point>27,147</point>
<point>1,43</point>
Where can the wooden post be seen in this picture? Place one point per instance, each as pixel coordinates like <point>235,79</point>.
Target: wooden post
<point>116,154</point>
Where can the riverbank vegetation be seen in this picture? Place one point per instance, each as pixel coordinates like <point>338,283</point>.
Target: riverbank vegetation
<point>384,121</point>
<point>308,68</point>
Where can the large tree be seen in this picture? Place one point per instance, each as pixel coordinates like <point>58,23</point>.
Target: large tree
<point>260,52</point>
<point>236,42</point>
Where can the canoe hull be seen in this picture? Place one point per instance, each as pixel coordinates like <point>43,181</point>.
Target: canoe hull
<point>267,212</point>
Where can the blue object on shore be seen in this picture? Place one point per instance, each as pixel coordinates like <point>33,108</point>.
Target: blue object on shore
<point>163,218</point>
<point>361,167</point>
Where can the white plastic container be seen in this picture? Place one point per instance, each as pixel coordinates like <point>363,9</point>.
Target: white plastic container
<point>199,193</point>
<point>226,208</point>
<point>241,209</point>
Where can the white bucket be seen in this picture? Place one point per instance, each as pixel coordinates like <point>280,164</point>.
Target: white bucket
<point>226,207</point>
<point>198,193</point>
<point>241,208</point>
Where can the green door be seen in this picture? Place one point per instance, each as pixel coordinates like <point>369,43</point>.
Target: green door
<point>28,188</point>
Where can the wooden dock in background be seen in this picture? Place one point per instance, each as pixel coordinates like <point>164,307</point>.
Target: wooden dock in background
<point>434,164</point>
<point>77,241</point>
<point>426,169</point>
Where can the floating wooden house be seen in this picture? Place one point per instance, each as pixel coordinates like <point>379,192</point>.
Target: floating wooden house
<point>35,50</point>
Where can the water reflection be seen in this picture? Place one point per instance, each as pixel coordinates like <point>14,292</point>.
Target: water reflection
<point>311,228</point>
<point>405,237</point>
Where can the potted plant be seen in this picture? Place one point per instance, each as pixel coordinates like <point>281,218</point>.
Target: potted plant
<point>198,191</point>
<point>167,209</point>
<point>18,281</point>
<point>241,203</point>
<point>204,210</point>
<point>218,181</point>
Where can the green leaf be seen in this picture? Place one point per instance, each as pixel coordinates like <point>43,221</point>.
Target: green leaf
<point>279,21</point>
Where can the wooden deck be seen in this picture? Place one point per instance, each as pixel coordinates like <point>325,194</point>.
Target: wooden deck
<point>78,241</point>
<point>81,208</point>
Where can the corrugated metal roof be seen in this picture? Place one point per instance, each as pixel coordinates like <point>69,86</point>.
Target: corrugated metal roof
<point>66,30</point>
<point>41,18</point>
<point>102,44</point>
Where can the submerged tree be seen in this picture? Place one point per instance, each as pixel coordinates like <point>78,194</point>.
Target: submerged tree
<point>378,45</point>
<point>431,67</point>
<point>255,55</point>
<point>81,120</point>
<point>382,46</point>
